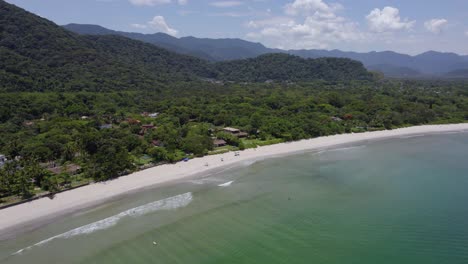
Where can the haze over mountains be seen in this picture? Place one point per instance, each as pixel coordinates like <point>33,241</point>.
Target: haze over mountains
<point>392,64</point>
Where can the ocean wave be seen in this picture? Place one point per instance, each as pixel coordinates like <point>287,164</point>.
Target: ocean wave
<point>412,136</point>
<point>347,148</point>
<point>226,184</point>
<point>170,203</point>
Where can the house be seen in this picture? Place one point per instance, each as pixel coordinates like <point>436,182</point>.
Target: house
<point>71,169</point>
<point>105,126</point>
<point>236,132</point>
<point>132,121</point>
<point>157,143</point>
<point>3,160</point>
<point>219,143</point>
<point>231,130</point>
<point>145,128</point>
<point>148,126</point>
<point>148,114</point>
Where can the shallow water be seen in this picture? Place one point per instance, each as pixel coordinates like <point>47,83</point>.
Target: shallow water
<point>393,201</point>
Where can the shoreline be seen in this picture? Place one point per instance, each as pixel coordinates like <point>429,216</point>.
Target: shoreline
<point>27,216</point>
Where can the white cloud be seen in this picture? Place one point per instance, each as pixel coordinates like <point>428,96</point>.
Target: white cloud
<point>149,2</point>
<point>310,7</point>
<point>182,2</point>
<point>226,3</point>
<point>319,28</point>
<point>387,19</point>
<point>436,25</point>
<point>159,24</point>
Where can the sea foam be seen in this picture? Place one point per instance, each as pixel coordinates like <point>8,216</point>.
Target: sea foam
<point>347,148</point>
<point>226,184</point>
<point>170,203</point>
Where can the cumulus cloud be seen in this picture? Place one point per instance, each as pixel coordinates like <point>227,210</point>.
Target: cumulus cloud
<point>318,26</point>
<point>159,24</point>
<point>436,25</point>
<point>310,7</point>
<point>387,19</point>
<point>226,3</point>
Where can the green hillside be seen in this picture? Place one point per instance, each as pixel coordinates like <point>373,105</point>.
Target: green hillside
<point>283,67</point>
<point>38,55</point>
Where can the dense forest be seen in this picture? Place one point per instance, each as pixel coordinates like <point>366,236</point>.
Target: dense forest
<point>77,109</point>
<point>282,67</point>
<point>109,134</point>
<point>38,55</point>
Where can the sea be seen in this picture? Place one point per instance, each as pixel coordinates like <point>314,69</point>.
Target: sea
<point>400,200</point>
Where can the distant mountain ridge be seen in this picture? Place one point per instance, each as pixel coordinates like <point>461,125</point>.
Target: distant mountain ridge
<point>209,49</point>
<point>391,63</point>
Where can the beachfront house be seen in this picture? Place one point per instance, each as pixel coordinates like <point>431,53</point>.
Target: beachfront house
<point>71,169</point>
<point>236,132</point>
<point>219,143</point>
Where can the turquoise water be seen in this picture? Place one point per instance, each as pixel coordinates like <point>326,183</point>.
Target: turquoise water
<point>393,201</point>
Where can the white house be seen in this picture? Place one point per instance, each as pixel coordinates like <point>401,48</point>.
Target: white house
<point>3,160</point>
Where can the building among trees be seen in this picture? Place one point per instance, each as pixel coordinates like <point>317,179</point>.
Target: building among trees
<point>236,132</point>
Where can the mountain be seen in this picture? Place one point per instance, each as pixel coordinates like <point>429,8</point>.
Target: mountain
<point>390,63</point>
<point>284,67</point>
<point>438,62</point>
<point>395,71</point>
<point>38,55</point>
<point>209,49</point>
<point>457,74</point>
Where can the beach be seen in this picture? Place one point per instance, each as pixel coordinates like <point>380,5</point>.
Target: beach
<point>27,215</point>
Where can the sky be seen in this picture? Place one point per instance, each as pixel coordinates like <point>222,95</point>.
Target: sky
<point>406,26</point>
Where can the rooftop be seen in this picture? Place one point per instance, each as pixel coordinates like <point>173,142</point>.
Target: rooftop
<point>231,129</point>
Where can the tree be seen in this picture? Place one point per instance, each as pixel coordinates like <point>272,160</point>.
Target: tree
<point>158,154</point>
<point>197,144</point>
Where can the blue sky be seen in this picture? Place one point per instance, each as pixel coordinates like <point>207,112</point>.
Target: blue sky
<point>411,26</point>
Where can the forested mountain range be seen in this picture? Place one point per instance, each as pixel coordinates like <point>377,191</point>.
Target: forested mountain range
<point>391,63</point>
<point>291,68</point>
<point>37,55</point>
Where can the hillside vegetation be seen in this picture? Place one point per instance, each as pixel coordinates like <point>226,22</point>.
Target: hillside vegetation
<point>76,109</point>
<point>291,68</point>
<point>37,55</point>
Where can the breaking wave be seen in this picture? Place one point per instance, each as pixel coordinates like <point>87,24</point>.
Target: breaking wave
<point>348,148</point>
<point>170,203</point>
<point>226,184</point>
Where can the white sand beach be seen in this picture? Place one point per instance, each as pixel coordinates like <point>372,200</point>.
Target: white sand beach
<point>24,215</point>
